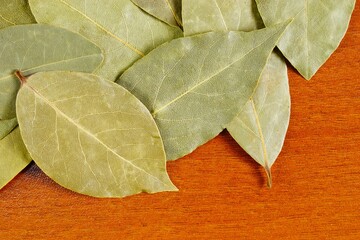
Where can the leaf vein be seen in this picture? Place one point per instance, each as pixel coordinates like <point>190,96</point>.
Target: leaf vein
<point>128,45</point>
<point>87,132</point>
<point>206,80</point>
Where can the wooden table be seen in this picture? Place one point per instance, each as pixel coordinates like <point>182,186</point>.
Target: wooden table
<point>223,194</point>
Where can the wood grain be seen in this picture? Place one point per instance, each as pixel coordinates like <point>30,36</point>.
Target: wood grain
<point>223,193</point>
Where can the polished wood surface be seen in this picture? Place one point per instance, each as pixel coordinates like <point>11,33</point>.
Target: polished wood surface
<point>223,193</point>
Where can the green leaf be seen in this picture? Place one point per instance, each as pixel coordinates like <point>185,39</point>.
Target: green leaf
<point>123,31</point>
<point>189,85</point>
<point>168,11</point>
<point>13,157</point>
<point>6,126</point>
<point>260,128</point>
<point>35,48</point>
<point>220,15</point>
<point>91,135</point>
<point>15,12</point>
<point>315,33</point>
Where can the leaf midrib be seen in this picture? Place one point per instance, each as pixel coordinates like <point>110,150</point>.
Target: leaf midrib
<point>24,71</point>
<point>87,132</point>
<point>6,20</point>
<point>125,43</point>
<point>261,135</point>
<point>307,38</point>
<point>221,15</point>
<point>209,78</point>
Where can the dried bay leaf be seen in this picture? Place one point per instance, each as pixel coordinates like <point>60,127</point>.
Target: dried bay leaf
<point>189,85</point>
<point>15,12</point>
<point>122,30</point>
<point>220,15</point>
<point>260,128</point>
<point>315,33</point>
<point>6,126</point>
<point>13,157</point>
<point>168,11</point>
<point>91,135</point>
<point>35,48</point>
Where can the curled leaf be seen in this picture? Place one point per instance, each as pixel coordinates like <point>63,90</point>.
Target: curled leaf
<point>91,135</point>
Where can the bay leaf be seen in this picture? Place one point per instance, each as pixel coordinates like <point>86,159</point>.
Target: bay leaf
<point>168,11</point>
<point>35,48</point>
<point>13,157</point>
<point>315,33</point>
<point>190,85</point>
<point>123,31</point>
<point>260,127</point>
<point>15,12</point>
<point>6,126</point>
<point>91,135</point>
<point>220,15</point>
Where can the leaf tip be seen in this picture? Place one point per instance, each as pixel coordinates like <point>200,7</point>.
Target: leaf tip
<point>308,76</point>
<point>172,187</point>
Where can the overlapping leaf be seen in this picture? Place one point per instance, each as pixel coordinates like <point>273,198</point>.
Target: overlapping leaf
<point>168,11</point>
<point>220,15</point>
<point>96,138</point>
<point>6,126</point>
<point>260,128</point>
<point>13,157</point>
<point>191,87</point>
<point>15,12</point>
<point>91,135</point>
<point>315,32</point>
<point>123,31</point>
<point>35,48</point>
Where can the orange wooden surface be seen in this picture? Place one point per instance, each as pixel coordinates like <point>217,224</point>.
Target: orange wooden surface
<point>223,194</point>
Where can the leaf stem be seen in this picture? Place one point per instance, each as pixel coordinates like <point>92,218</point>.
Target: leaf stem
<point>21,77</point>
<point>269,176</point>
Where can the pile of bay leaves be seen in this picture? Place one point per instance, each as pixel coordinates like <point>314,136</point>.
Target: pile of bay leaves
<point>100,94</point>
